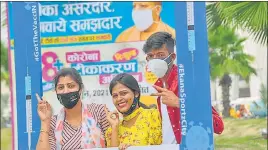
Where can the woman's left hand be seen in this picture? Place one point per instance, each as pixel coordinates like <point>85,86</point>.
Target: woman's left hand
<point>123,146</point>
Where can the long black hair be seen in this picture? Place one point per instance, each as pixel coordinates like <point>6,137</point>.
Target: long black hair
<point>130,82</point>
<point>73,73</point>
<point>127,80</point>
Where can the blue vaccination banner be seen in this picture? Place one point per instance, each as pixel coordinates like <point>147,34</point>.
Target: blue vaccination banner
<point>28,72</point>
<point>100,40</point>
<point>81,23</point>
<point>193,74</point>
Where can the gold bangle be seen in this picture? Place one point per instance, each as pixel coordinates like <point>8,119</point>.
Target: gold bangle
<point>42,130</point>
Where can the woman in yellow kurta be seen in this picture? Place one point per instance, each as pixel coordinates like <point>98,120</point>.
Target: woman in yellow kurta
<point>140,127</point>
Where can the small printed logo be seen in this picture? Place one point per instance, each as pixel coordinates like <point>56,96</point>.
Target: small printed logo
<point>198,135</point>
<point>126,54</point>
<point>27,6</point>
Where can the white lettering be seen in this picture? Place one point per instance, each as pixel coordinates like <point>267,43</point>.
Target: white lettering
<point>36,34</point>
<point>182,100</point>
<point>96,24</point>
<point>81,8</point>
<point>53,26</point>
<point>73,58</point>
<point>48,10</point>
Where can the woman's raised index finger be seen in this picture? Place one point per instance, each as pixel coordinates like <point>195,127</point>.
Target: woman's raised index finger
<point>38,98</point>
<point>106,110</point>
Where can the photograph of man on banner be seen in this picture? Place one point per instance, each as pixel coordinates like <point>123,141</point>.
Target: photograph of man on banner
<point>144,26</point>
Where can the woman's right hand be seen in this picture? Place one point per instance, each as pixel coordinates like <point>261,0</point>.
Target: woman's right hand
<point>44,110</point>
<point>112,117</point>
<point>123,146</point>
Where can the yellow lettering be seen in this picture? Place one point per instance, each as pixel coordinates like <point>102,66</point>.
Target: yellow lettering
<point>118,57</point>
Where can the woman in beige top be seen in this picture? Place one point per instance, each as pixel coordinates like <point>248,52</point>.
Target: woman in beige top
<point>78,125</point>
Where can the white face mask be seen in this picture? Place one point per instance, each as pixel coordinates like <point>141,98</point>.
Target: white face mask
<point>143,19</point>
<point>159,67</point>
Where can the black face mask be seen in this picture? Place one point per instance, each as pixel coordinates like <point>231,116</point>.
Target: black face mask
<point>132,107</point>
<point>69,100</point>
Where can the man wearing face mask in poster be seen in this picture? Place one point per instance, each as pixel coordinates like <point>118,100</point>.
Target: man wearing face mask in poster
<point>146,17</point>
<point>159,49</point>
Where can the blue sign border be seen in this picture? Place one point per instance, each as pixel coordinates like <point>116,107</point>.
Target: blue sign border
<point>196,74</point>
<point>27,65</point>
<point>194,77</point>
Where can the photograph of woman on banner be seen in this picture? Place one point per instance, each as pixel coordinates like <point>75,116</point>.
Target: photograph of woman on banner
<point>78,125</point>
<point>147,20</point>
<point>159,49</point>
<point>140,127</point>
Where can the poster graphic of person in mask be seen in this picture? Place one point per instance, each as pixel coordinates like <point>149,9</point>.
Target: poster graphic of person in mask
<point>159,49</point>
<point>147,20</point>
